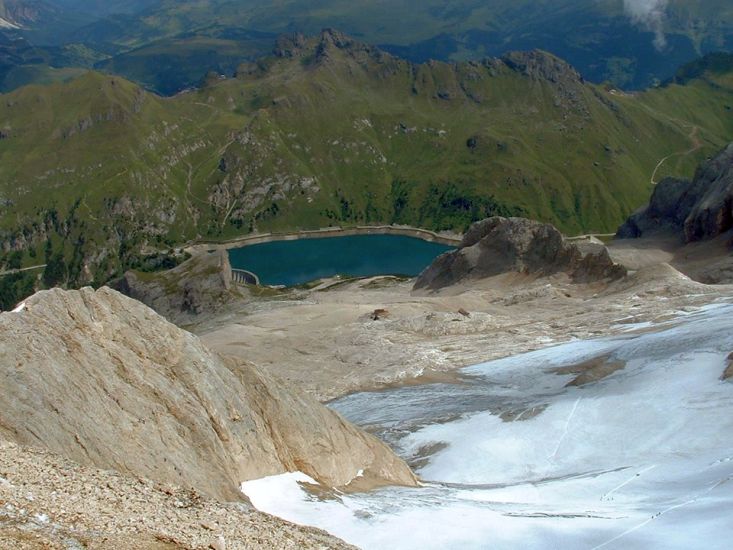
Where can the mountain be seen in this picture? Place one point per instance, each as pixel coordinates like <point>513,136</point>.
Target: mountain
<point>101,379</point>
<point>330,131</point>
<point>631,43</point>
<point>41,21</point>
<point>17,14</point>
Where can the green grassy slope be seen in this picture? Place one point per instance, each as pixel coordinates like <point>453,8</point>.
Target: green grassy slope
<point>103,175</point>
<point>173,64</point>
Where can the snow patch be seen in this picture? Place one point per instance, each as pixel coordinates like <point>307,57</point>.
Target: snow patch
<point>639,459</point>
<point>359,474</point>
<point>264,492</point>
<point>5,24</point>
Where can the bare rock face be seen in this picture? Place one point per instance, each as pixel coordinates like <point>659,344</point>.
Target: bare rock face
<point>199,286</point>
<point>541,65</point>
<point>698,210</point>
<point>107,382</point>
<point>712,213</point>
<point>501,245</point>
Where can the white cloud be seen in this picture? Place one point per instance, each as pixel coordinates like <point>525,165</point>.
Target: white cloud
<point>650,13</point>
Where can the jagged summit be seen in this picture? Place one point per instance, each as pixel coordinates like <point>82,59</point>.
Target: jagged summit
<point>17,14</point>
<point>324,47</point>
<point>536,64</point>
<point>541,65</point>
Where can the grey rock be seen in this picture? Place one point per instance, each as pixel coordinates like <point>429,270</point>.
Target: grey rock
<point>696,210</point>
<point>199,287</point>
<point>501,245</point>
<point>668,207</point>
<point>541,65</point>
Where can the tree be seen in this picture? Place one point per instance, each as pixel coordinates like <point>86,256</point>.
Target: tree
<point>55,272</point>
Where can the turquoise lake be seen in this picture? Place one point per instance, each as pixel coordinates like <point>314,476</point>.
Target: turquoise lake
<point>291,263</point>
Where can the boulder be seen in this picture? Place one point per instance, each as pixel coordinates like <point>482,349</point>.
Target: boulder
<point>500,245</point>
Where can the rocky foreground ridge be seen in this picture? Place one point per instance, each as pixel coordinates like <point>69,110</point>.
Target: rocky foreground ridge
<point>499,245</point>
<point>102,379</point>
<point>50,502</point>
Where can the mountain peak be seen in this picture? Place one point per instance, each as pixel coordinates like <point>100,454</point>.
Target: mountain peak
<point>332,41</point>
<point>290,45</point>
<point>337,38</point>
<point>16,14</point>
<point>541,65</point>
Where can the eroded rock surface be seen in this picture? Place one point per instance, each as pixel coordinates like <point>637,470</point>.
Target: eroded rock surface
<point>104,380</point>
<point>501,245</point>
<point>198,287</point>
<point>699,209</point>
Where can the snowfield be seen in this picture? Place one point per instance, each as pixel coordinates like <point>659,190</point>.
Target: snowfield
<point>641,457</point>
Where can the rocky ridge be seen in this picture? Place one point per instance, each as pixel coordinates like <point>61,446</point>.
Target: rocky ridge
<point>102,379</point>
<point>697,210</point>
<point>200,285</point>
<point>500,245</point>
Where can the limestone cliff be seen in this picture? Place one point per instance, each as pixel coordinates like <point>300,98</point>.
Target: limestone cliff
<point>501,245</point>
<point>104,380</point>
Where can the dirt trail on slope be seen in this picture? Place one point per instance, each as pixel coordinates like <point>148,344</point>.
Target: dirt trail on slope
<point>696,142</point>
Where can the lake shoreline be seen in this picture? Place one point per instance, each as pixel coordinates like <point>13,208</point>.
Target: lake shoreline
<point>447,238</point>
<point>290,262</point>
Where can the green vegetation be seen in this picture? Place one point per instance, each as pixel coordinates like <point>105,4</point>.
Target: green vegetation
<point>15,287</point>
<point>333,132</point>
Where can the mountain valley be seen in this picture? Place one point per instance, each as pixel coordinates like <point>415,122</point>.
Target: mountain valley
<point>333,132</point>
<point>389,274</point>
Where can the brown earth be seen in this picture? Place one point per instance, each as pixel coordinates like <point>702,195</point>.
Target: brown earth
<point>49,502</point>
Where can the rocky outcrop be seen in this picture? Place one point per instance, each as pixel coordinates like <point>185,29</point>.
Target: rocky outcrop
<point>290,45</point>
<point>198,287</point>
<point>697,210</point>
<point>102,379</point>
<point>541,65</point>
<point>501,245</point>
